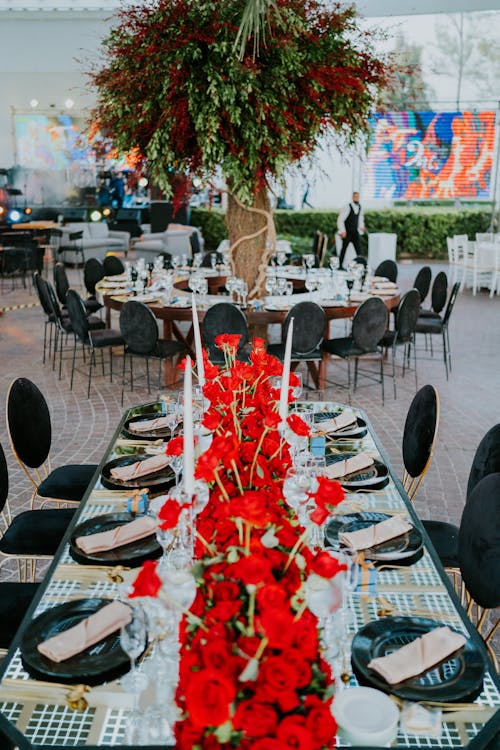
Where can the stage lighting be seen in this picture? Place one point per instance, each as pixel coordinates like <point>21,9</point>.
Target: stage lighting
<point>28,211</point>
<point>106,211</point>
<point>69,103</point>
<point>14,215</point>
<point>95,216</point>
<point>143,182</point>
<point>34,103</point>
<point>2,210</point>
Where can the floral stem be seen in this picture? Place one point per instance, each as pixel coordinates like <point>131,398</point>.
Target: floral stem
<point>205,543</point>
<point>237,475</point>
<point>259,446</point>
<point>220,485</point>
<point>298,544</point>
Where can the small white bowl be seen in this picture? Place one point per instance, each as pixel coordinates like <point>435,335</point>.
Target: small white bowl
<point>365,716</point>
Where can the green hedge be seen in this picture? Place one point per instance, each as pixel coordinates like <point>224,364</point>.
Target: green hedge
<point>421,232</point>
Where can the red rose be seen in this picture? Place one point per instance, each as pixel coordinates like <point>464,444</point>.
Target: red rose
<point>216,654</point>
<point>268,743</point>
<point>293,733</point>
<point>277,677</point>
<point>147,582</point>
<point>326,566</point>
<point>224,590</point>
<point>255,719</point>
<point>302,667</point>
<point>298,425</point>
<point>329,492</point>
<point>319,516</point>
<point>228,341</point>
<point>277,626</point>
<point>209,696</point>
<point>175,446</point>
<point>270,596</point>
<point>169,514</point>
<point>251,569</point>
<point>321,724</point>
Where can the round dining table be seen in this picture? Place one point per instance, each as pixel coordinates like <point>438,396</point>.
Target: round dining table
<point>258,318</point>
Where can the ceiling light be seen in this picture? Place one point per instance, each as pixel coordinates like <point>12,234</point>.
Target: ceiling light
<point>34,103</point>
<point>69,103</point>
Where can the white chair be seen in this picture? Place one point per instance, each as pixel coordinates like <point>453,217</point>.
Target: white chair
<point>479,266</point>
<point>484,237</point>
<point>495,281</point>
<point>453,264</point>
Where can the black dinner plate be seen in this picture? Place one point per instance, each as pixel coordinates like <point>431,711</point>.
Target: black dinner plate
<point>457,678</point>
<point>160,480</point>
<point>129,555</point>
<point>375,477</point>
<point>398,550</point>
<point>102,662</point>
<point>164,433</point>
<point>353,432</point>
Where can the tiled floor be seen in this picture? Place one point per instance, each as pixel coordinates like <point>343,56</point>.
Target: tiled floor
<point>470,400</point>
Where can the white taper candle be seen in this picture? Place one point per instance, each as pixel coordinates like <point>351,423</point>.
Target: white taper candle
<point>285,378</point>
<point>200,367</point>
<point>188,464</point>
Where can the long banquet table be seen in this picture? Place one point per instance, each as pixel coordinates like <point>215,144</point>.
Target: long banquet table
<point>37,714</point>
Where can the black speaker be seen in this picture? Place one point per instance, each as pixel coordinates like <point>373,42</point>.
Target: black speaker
<point>162,214</point>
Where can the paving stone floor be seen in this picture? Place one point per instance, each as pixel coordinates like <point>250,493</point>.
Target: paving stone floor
<point>470,400</point>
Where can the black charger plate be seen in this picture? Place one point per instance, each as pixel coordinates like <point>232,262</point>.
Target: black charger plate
<point>375,477</point>
<point>129,555</point>
<point>353,432</point>
<point>100,663</point>
<point>162,434</point>
<point>457,678</point>
<point>160,480</point>
<point>400,550</point>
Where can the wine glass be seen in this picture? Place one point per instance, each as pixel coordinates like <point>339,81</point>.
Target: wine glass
<point>309,259</point>
<point>176,462</point>
<point>289,288</point>
<point>310,284</point>
<point>133,640</point>
<point>172,416</point>
<point>334,262</point>
<point>350,283</point>
<point>271,285</point>
<point>297,387</point>
<point>213,261</point>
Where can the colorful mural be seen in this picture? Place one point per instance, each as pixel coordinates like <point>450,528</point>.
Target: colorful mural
<point>430,155</point>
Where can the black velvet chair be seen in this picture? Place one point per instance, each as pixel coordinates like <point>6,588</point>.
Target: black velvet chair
<point>31,535</point>
<point>50,318</point>
<point>139,329</point>
<point>423,282</point>
<point>64,327</point>
<point>15,599</point>
<point>167,259</point>
<point>113,266</point>
<point>368,327</point>
<point>93,272</point>
<point>30,434</point>
<point>224,318</point>
<point>388,269</point>
<point>479,553</point>
<point>194,242</point>
<point>404,333</point>
<point>438,326</point>
<point>444,536</point>
<point>438,296</point>
<point>61,282</point>
<point>15,263</point>
<point>309,322</point>
<point>419,437</point>
<point>91,339</point>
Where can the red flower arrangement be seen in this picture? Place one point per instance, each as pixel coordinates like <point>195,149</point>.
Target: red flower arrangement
<point>251,670</point>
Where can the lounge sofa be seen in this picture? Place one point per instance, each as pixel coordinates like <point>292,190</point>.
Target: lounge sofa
<point>175,240</point>
<point>96,242</point>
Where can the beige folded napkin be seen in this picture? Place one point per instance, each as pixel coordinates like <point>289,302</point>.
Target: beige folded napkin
<point>140,468</point>
<point>349,466</point>
<point>148,425</point>
<point>385,285</point>
<point>343,420</point>
<point>89,631</point>
<point>418,656</point>
<point>106,540</point>
<point>375,534</point>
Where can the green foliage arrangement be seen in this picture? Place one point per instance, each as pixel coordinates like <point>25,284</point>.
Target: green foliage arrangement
<point>174,87</point>
<point>421,233</point>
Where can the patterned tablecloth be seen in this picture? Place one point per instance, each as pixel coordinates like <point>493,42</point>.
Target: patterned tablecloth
<point>40,710</point>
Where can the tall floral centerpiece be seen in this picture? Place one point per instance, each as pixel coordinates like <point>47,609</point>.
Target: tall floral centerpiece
<point>184,87</point>
<point>251,674</point>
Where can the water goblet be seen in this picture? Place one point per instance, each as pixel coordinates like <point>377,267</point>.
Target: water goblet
<point>289,288</point>
<point>271,284</point>
<point>310,284</point>
<point>281,257</point>
<point>334,262</point>
<point>309,259</point>
<point>350,283</point>
<point>213,260</point>
<point>133,640</point>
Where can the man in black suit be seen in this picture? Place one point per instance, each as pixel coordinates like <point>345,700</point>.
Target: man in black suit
<point>350,224</point>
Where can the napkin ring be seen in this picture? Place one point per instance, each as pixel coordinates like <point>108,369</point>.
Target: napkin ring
<point>75,698</point>
<point>115,574</point>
